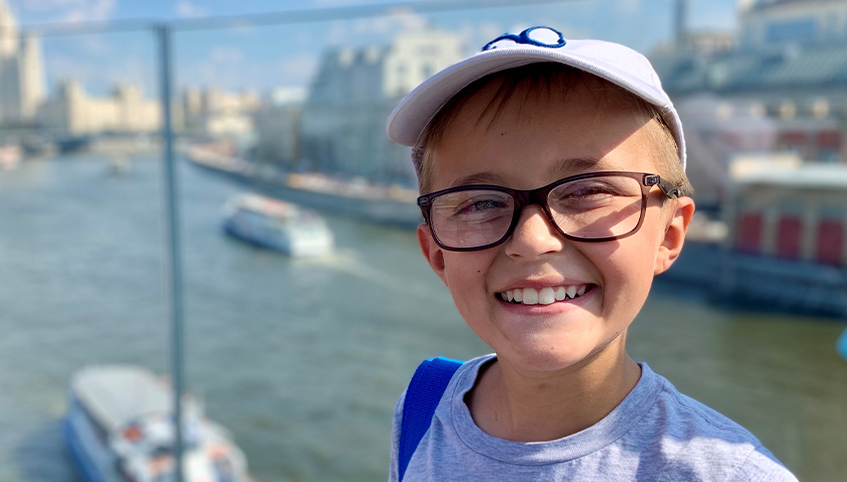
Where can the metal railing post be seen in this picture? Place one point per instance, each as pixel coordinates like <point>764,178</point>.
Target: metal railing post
<point>174,277</point>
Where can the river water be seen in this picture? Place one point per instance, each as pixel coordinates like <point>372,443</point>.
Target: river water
<point>303,360</point>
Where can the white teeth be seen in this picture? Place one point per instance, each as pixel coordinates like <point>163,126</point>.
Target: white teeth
<point>530,296</point>
<point>546,296</point>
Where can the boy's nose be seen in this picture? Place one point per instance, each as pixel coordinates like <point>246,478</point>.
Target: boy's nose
<point>534,235</point>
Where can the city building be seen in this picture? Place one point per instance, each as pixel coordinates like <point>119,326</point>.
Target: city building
<point>786,247</point>
<point>21,72</point>
<point>277,127</point>
<point>786,67</point>
<point>785,22</point>
<point>342,124</point>
<point>791,213</point>
<point>215,113</point>
<point>72,111</point>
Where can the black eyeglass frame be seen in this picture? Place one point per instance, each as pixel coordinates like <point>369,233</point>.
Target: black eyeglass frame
<point>539,196</point>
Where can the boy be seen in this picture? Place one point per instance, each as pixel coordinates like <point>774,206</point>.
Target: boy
<point>553,190</point>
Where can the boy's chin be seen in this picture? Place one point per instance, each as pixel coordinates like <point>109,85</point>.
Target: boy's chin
<point>559,357</point>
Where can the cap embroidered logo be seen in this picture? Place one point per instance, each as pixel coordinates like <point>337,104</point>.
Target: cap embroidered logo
<point>537,36</point>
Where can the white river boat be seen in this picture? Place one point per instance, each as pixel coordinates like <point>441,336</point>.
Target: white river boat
<point>119,428</point>
<point>277,225</point>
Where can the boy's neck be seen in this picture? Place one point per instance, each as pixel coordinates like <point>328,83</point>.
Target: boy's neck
<point>510,405</point>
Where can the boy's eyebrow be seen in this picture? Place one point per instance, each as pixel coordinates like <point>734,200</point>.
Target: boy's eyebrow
<point>574,165</point>
<point>560,169</point>
<point>478,178</point>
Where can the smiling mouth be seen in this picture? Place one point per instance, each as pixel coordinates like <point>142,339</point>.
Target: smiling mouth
<point>544,296</point>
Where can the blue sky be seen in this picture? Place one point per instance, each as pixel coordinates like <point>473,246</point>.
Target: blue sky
<point>286,55</point>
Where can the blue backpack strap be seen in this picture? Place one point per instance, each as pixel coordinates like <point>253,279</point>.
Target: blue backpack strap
<point>422,397</point>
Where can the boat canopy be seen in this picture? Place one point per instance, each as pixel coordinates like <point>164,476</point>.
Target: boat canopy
<point>268,206</point>
<point>117,395</point>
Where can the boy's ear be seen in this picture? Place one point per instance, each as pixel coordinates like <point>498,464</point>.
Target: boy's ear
<point>431,251</point>
<point>674,236</point>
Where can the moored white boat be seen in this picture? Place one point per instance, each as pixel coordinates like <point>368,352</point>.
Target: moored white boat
<point>119,428</point>
<point>10,156</point>
<point>277,225</point>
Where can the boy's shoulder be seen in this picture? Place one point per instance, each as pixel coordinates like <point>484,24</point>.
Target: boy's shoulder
<point>655,434</point>
<point>682,416</point>
<point>693,441</point>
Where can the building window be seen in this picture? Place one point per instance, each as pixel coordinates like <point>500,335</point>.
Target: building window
<point>787,110</point>
<point>830,241</point>
<point>749,233</point>
<point>788,236</point>
<point>733,140</point>
<point>828,139</point>
<point>820,108</point>
<point>793,140</point>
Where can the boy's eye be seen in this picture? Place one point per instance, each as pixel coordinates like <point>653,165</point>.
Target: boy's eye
<point>473,205</point>
<point>480,205</point>
<point>590,194</point>
<point>585,190</point>
<point>593,191</point>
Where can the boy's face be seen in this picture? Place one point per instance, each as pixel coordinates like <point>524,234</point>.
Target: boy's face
<point>536,140</point>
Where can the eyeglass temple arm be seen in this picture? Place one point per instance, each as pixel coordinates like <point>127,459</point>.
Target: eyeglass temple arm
<point>667,187</point>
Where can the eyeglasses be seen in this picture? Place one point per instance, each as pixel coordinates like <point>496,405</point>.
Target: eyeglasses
<point>597,206</point>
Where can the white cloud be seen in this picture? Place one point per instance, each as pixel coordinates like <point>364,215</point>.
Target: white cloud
<point>712,16</point>
<point>335,3</point>
<point>217,70</point>
<point>399,20</point>
<point>303,38</point>
<point>89,11</point>
<point>92,45</point>
<point>338,33</point>
<point>46,5</point>
<point>226,55</point>
<point>353,32</point>
<point>475,35</point>
<point>569,31</point>
<point>69,10</point>
<point>243,28</point>
<point>185,8</point>
<point>627,6</point>
<point>299,69</point>
<point>519,27</point>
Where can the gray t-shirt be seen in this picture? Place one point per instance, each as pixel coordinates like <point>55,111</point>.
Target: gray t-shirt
<point>655,434</point>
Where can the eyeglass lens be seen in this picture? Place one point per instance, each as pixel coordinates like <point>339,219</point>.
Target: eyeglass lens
<point>591,208</point>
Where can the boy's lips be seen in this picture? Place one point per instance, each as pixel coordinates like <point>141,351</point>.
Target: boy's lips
<point>548,308</point>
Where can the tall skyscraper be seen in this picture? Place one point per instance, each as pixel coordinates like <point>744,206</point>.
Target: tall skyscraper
<point>21,71</point>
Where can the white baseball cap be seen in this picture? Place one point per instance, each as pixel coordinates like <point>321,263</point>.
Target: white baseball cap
<point>613,62</point>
